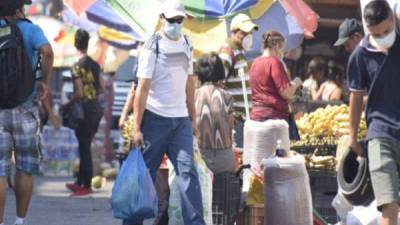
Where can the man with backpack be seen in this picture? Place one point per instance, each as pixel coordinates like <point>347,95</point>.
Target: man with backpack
<point>21,45</point>
<point>164,113</point>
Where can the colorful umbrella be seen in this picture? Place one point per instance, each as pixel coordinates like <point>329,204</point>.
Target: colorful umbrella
<point>286,25</point>
<point>101,13</point>
<point>141,16</point>
<point>216,8</point>
<point>202,31</point>
<point>210,19</point>
<point>116,38</point>
<point>79,6</point>
<point>303,15</point>
<point>115,32</point>
<point>81,21</point>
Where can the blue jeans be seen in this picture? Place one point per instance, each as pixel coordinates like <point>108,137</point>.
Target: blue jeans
<point>174,136</point>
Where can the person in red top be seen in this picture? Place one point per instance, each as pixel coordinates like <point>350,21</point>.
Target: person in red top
<point>270,84</point>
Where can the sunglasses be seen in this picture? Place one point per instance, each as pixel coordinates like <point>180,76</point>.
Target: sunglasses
<point>178,20</point>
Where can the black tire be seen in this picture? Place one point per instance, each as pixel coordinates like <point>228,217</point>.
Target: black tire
<point>354,179</point>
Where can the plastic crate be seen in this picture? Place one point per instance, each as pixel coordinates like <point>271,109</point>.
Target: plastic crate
<point>226,198</point>
<point>251,215</point>
<point>323,205</point>
<point>323,181</point>
<point>323,150</point>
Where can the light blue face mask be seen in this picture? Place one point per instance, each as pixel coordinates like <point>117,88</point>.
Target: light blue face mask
<point>173,30</point>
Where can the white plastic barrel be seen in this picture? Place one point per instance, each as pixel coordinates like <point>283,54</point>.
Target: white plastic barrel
<point>287,192</point>
<point>260,140</point>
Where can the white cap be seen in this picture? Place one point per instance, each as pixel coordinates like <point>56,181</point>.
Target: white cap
<point>243,22</point>
<point>173,8</point>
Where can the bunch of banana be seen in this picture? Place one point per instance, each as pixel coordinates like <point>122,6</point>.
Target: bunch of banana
<point>331,121</point>
<point>342,126</point>
<point>320,162</point>
<point>127,132</point>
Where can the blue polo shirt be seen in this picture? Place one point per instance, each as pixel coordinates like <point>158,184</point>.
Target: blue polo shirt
<point>383,108</point>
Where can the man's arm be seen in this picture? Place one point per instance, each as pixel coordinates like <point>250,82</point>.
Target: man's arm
<point>78,89</point>
<point>47,105</point>
<point>128,107</point>
<point>47,57</point>
<point>190,101</point>
<point>102,85</point>
<point>78,85</point>
<point>139,107</point>
<point>286,88</point>
<point>356,107</point>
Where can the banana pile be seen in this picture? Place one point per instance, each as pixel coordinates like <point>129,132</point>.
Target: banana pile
<point>127,132</point>
<point>331,121</point>
<point>342,126</point>
<point>320,162</point>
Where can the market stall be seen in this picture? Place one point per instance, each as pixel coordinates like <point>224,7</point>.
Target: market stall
<point>323,136</point>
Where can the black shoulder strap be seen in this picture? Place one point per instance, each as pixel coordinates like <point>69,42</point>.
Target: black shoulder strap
<point>157,47</point>
<point>186,40</point>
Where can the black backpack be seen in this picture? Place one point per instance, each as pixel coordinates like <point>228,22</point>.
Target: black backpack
<point>17,76</point>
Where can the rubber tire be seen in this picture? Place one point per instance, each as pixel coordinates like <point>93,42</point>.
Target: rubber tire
<point>356,188</point>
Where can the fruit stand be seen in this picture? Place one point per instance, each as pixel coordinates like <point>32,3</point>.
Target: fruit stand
<point>320,132</point>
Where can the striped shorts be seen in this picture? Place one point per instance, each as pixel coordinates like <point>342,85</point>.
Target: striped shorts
<point>19,133</point>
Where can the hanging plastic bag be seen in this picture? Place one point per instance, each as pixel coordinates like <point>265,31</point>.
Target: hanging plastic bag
<point>342,207</point>
<point>255,196</point>
<point>134,197</point>
<point>205,178</point>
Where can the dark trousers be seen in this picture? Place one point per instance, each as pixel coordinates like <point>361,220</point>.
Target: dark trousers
<point>239,134</point>
<point>174,136</point>
<point>85,133</point>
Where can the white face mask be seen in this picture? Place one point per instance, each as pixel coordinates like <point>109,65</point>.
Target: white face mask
<point>173,30</point>
<point>247,42</point>
<point>385,42</point>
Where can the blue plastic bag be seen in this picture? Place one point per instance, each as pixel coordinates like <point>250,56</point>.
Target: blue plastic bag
<point>134,197</point>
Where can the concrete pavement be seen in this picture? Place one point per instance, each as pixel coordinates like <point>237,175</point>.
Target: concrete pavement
<point>51,205</point>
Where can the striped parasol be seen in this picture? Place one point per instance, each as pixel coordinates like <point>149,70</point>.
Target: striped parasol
<point>209,18</point>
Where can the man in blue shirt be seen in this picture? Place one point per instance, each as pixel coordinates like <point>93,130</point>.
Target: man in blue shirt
<point>374,66</point>
<point>19,126</point>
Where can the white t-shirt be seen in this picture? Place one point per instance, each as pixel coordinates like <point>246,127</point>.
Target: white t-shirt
<point>309,85</point>
<point>168,73</point>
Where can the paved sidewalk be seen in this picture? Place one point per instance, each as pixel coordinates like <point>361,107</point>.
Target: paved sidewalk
<point>51,205</point>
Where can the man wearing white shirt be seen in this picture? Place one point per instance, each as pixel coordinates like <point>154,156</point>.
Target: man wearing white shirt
<point>164,113</point>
